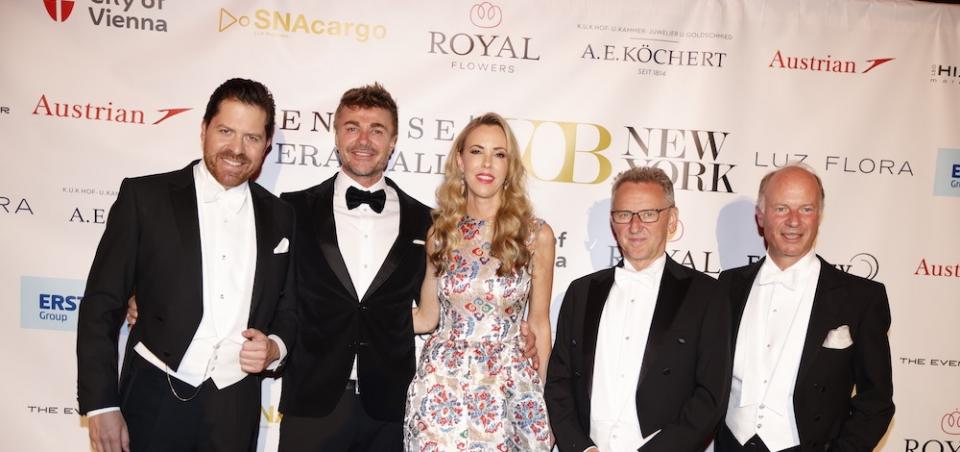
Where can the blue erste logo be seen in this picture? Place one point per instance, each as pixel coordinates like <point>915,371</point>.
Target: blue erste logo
<point>946,181</point>
<point>50,303</point>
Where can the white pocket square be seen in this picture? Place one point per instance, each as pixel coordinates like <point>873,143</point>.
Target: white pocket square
<point>282,247</point>
<point>418,242</point>
<point>838,338</point>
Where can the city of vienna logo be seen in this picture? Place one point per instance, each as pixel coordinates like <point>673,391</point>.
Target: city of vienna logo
<point>59,10</point>
<point>950,423</point>
<point>486,15</point>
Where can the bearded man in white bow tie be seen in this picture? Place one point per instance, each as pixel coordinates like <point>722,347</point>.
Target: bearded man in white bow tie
<point>641,359</point>
<point>805,335</point>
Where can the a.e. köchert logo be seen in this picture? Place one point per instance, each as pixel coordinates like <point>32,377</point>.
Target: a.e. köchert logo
<point>826,63</point>
<point>271,22</point>
<point>50,303</point>
<point>946,180</point>
<point>102,112</point>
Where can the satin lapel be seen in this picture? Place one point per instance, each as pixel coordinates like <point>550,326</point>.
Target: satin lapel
<point>596,299</point>
<point>822,317</point>
<point>740,286</point>
<point>183,197</point>
<point>266,230</point>
<point>673,288</point>
<point>322,211</point>
<point>405,236</point>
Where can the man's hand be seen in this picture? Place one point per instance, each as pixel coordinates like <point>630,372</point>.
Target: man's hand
<point>108,432</point>
<point>132,310</point>
<point>529,345</point>
<point>257,352</point>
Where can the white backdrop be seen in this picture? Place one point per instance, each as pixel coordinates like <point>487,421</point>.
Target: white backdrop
<point>715,92</point>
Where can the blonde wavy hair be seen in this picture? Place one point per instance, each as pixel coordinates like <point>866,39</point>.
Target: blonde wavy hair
<point>511,228</point>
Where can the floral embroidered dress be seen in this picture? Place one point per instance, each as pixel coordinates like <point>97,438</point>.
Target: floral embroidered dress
<point>474,390</point>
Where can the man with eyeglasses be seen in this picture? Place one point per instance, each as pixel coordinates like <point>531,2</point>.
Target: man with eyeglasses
<point>641,359</point>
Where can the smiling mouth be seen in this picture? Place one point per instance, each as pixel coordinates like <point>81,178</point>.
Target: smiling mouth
<point>485,178</point>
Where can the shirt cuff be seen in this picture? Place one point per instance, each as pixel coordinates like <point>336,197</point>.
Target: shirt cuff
<point>93,413</point>
<point>283,352</point>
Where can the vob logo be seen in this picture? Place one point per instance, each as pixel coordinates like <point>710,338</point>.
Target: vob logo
<point>59,10</point>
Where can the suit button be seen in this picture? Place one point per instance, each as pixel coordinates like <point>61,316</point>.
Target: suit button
<point>159,318</point>
<point>573,342</point>
<point>666,371</point>
<point>816,418</point>
<point>363,308</point>
<point>166,354</point>
<point>823,388</point>
<point>363,344</point>
<point>577,374</point>
<point>681,340</point>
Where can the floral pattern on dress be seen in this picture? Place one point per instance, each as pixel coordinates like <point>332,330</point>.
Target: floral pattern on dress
<point>474,390</point>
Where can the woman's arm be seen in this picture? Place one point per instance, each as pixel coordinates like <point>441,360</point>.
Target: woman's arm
<point>541,292</point>
<point>426,315</point>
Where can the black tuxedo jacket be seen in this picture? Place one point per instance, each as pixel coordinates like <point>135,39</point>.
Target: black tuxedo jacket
<point>828,418</point>
<point>337,325</point>
<point>151,244</point>
<point>685,376</point>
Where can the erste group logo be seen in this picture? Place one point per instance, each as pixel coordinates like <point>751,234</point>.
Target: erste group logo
<point>946,180</point>
<point>50,303</point>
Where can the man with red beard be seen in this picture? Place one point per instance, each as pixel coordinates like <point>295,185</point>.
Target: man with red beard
<point>207,251</point>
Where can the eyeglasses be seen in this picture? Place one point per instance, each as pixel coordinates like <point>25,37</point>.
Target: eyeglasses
<point>646,215</point>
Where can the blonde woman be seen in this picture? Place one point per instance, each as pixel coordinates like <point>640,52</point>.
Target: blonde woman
<point>488,261</point>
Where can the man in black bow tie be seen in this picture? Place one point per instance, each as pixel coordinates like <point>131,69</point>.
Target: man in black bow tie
<point>360,267</point>
<point>640,360</point>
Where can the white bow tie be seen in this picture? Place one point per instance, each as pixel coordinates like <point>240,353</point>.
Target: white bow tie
<point>624,276</point>
<point>231,200</point>
<point>788,279</point>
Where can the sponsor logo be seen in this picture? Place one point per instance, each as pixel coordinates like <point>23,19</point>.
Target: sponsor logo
<point>50,303</point>
<point>88,215</point>
<point>931,362</point>
<point>130,14</point>
<point>950,425</point>
<point>102,112</point>
<point>499,52</point>
<point>827,63</point>
<point>654,51</point>
<point>59,10</point>
<point>52,409</point>
<point>946,180</point>
<point>925,268</point>
<point>837,163</point>
<point>15,205</point>
<point>4,110</point>
<point>271,22</point>
<point>945,74</point>
<point>861,264</point>
<point>89,191</point>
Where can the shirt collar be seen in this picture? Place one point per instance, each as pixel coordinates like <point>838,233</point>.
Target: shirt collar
<point>343,182</point>
<point>770,273</point>
<point>648,277</point>
<point>210,191</point>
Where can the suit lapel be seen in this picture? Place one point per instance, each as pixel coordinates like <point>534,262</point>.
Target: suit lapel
<point>265,231</point>
<point>183,197</point>
<point>323,220</point>
<point>596,298</point>
<point>673,289</point>
<point>740,285</point>
<point>822,317</point>
<point>405,235</point>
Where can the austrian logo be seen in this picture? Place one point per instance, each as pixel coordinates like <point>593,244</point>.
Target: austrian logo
<point>108,112</point>
<point>824,63</point>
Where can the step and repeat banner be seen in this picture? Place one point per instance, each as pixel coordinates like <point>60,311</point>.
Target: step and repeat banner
<point>716,93</point>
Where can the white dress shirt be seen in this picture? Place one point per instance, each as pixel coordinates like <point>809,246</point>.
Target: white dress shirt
<point>621,342</point>
<point>768,350</point>
<point>363,235</point>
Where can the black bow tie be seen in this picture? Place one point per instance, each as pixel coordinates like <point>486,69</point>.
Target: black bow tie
<point>375,199</point>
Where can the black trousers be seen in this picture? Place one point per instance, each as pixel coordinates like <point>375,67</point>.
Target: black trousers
<point>347,429</point>
<point>216,420</point>
<point>726,442</point>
